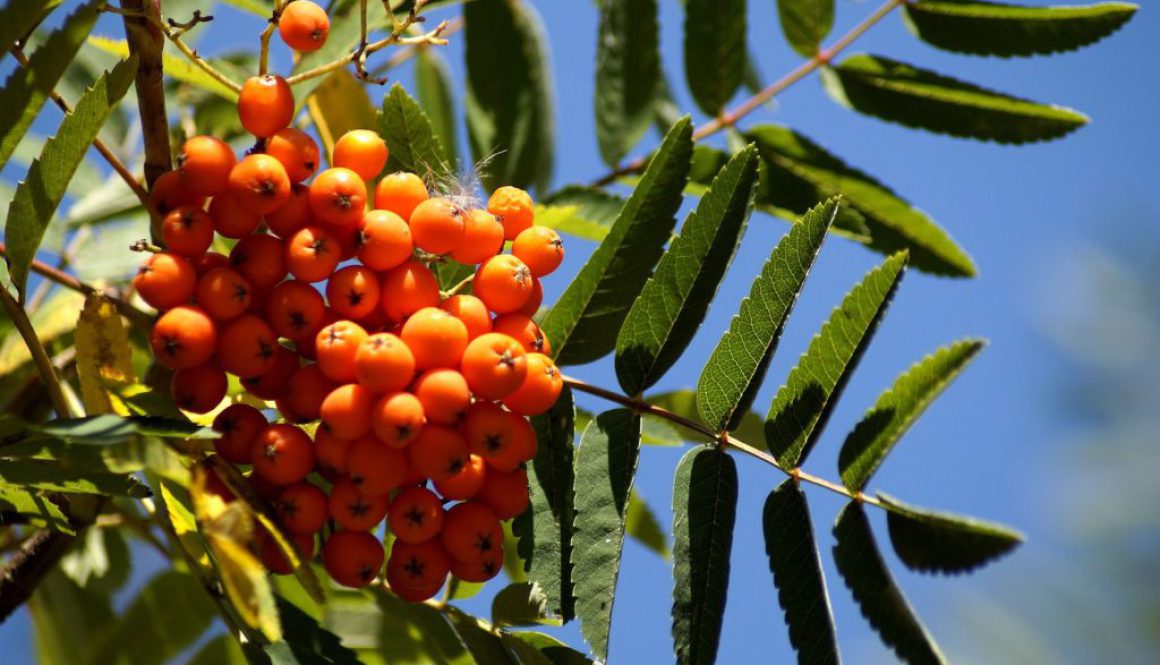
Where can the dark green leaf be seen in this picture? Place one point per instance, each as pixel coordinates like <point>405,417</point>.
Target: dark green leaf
<point>800,173</point>
<point>168,615</point>
<point>797,574</point>
<point>714,51</point>
<point>990,28</point>
<point>40,192</point>
<point>433,84</point>
<point>675,300</point>
<point>584,322</point>
<point>304,642</point>
<point>110,429</point>
<point>416,634</point>
<point>554,650</point>
<point>806,23</point>
<point>18,505</point>
<point>801,408</point>
<point>545,529</point>
<point>704,509</point>
<point>28,88</point>
<point>642,525</point>
<point>583,212</point>
<point>898,408</point>
<point>919,98</point>
<point>484,646</point>
<point>414,145</point>
<point>605,468</point>
<point>449,273</point>
<point>509,93</point>
<point>627,71</point>
<point>522,604</point>
<point>930,541</point>
<point>879,598</point>
<point>221,650</point>
<point>46,476</point>
<point>17,20</point>
<point>738,364</point>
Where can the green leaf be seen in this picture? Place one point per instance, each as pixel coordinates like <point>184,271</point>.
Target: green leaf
<point>583,212</point>
<point>449,272</point>
<point>800,173</point>
<point>675,300</point>
<point>806,23</point>
<point>110,429</point>
<point>627,71</point>
<point>50,477</point>
<point>254,7</point>
<point>416,634</point>
<point>341,104</point>
<point>414,146</point>
<point>802,407</point>
<point>28,88</point>
<point>18,20</point>
<point>177,67</point>
<point>990,28</point>
<point>485,647</point>
<point>898,408</point>
<point>545,529</point>
<point>714,51</point>
<point>738,364</point>
<point>522,604</point>
<point>433,84</point>
<point>797,574</point>
<point>457,589</point>
<point>169,613</point>
<point>99,560</point>
<point>584,322</point>
<point>605,468</point>
<point>509,93</point>
<point>553,649</point>
<point>221,650</point>
<point>33,509</point>
<point>922,99</point>
<point>305,642</point>
<point>930,541</point>
<point>40,192</point>
<point>642,525</point>
<point>865,573</point>
<point>751,427</point>
<point>68,620</point>
<point>704,509</point>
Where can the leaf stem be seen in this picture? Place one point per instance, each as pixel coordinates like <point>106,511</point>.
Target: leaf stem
<point>39,354</point>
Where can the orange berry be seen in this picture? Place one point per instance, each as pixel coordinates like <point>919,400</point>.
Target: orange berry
<point>354,510</point>
<point>302,509</point>
<point>408,289</point>
<point>471,311</point>
<point>294,215</point>
<point>265,105</point>
<point>437,225</point>
<point>337,344</point>
<point>187,231</point>
<point>199,389</point>
<point>259,184</point>
<point>494,366</point>
<point>223,293</point>
<point>438,452</point>
<point>479,571</point>
<point>417,571</point>
<point>246,345</point>
<point>471,531</point>
<point>397,419</point>
<point>272,557</point>
<point>361,151</point>
<point>524,330</point>
<point>295,309</point>
<point>346,411</point>
<point>282,454</point>
<point>204,165</point>
<point>353,292</point>
<point>482,238</point>
<point>312,254</point>
<point>532,307</point>
<point>513,208</point>
<point>466,483</point>
<point>400,193</point>
<point>506,493</point>
<point>303,26</point>
<point>307,388</point>
<point>444,394</point>
<point>503,283</point>
<point>208,261</point>
<point>521,445</point>
<point>540,388</point>
<point>230,219</point>
<point>383,241</point>
<point>352,558</point>
<point>488,429</point>
<point>384,363</point>
<point>338,196</point>
<point>264,488</point>
<point>297,152</point>
<point>274,383</point>
<point>259,258</point>
<point>183,337</point>
<point>331,452</point>
<point>376,468</point>
<point>436,338</point>
<point>239,425</point>
<point>166,280</point>
<point>540,248</point>
<point>167,194</point>
<point>416,515</point>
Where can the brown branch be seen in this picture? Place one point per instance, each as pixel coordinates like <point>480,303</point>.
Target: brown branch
<point>28,566</point>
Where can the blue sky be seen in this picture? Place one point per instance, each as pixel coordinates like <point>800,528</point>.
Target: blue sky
<point>984,448</point>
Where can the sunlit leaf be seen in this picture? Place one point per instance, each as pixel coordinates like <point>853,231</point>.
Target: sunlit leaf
<point>522,604</point>
<point>30,507</point>
<point>50,477</point>
<point>413,144</point>
<point>167,615</point>
<point>339,105</point>
<point>103,353</point>
<point>176,66</point>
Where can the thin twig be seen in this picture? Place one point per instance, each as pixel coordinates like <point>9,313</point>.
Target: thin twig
<point>264,38</point>
<point>190,53</point>
<point>404,54</point>
<point>39,354</point>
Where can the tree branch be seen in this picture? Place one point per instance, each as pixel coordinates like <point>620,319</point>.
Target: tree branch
<point>145,39</point>
<point>28,566</point>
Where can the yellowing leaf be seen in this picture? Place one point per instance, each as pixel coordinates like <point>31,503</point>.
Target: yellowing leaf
<point>54,318</point>
<point>339,105</point>
<point>175,66</point>
<point>104,356</point>
<point>184,526</point>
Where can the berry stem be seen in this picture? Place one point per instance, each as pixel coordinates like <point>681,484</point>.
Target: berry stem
<point>267,33</point>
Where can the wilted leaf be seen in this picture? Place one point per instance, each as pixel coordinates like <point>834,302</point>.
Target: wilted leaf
<point>104,355</point>
<point>930,541</point>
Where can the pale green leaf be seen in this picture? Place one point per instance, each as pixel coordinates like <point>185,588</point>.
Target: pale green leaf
<point>22,505</point>
<point>99,560</point>
<point>68,620</point>
<point>176,66</point>
<point>806,23</point>
<point>750,429</point>
<point>416,634</point>
<point>305,642</point>
<point>485,647</point>
<point>930,541</point>
<point>221,650</point>
<point>714,51</point>
<point>45,476</point>
<point>627,71</point>
<point>583,212</point>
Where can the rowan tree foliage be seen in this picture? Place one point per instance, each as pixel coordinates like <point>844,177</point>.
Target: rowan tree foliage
<point>96,454</point>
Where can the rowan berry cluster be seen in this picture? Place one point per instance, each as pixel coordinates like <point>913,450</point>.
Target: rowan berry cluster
<point>330,312</point>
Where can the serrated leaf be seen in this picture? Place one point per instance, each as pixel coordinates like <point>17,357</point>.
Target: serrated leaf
<point>800,410</point>
<point>553,649</point>
<point>103,352</point>
<point>509,93</point>
<point>800,173</point>
<point>39,194</point>
<point>714,51</point>
<point>522,604</point>
<point>675,300</point>
<point>898,408</point>
<point>545,529</point>
<point>605,469</point>
<point>416,634</point>
<point>642,525</point>
<point>627,71</point>
<point>876,593</point>
<point>434,85</point>
<point>919,98</point>
<point>583,212</point>
<point>704,509</point>
<point>734,372</point>
<point>413,143</point>
<point>49,477</point>
<point>109,429</point>
<point>34,509</point>
<point>168,615</point>
<point>27,88</point>
<point>797,574</point>
<point>175,66</point>
<point>930,541</point>
<point>806,23</point>
<point>16,21</point>
<point>584,322</point>
<point>991,28</point>
<point>339,105</point>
